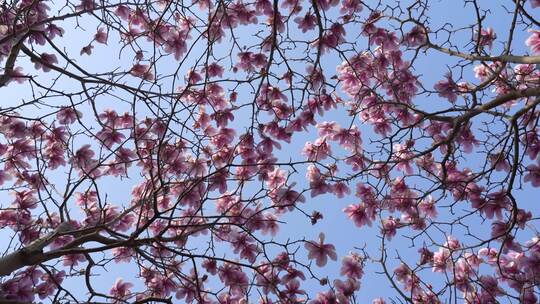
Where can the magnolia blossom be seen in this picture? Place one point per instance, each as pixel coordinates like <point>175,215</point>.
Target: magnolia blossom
<point>307,22</point>
<point>447,88</point>
<point>533,42</point>
<point>486,37</point>
<point>352,266</point>
<point>533,175</point>
<point>359,214</point>
<point>45,62</point>
<point>121,289</point>
<point>101,36</point>
<point>320,252</point>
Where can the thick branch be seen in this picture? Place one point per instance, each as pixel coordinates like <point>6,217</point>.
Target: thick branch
<point>31,254</point>
<point>501,58</point>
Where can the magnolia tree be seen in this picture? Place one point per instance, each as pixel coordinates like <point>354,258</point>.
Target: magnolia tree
<point>162,151</point>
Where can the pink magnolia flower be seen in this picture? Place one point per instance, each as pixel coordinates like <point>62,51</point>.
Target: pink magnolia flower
<point>123,12</point>
<point>486,37</point>
<point>101,36</point>
<point>162,285</point>
<point>110,137</point>
<point>350,139</point>
<point>490,288</point>
<point>352,266</point>
<point>50,284</point>
<point>125,222</point>
<point>390,226</point>
<point>328,297</point>
<point>533,175</point>
<point>68,115</point>
<point>415,37</point>
<point>121,289</point>
<point>467,139</point>
<point>4,176</point>
<point>528,295</point>
<point>350,6</point>
<point>291,292</point>
<point>233,276</point>
<point>495,204</point>
<point>210,265</point>
<point>214,70</point>
<point>340,189</point>
<point>19,289</point>
<point>533,144</point>
<point>83,157</point>
<point>317,151</point>
<point>46,60</point>
<point>122,254</point>
<point>441,260</point>
<point>176,43</point>
<point>320,251</point>
<point>17,75</point>
<point>359,214</point>
<point>452,243</point>
<point>307,22</point>
<point>427,206</point>
<point>292,274</point>
<point>490,253</point>
<point>533,42</point>
<point>447,88</point>
<point>25,200</point>
<point>142,71</point>
<point>244,245</point>
<point>346,288</point>
<point>72,260</point>
<point>499,161</point>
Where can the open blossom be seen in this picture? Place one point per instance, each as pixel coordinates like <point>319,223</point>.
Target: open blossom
<point>341,189</point>
<point>45,61</point>
<point>317,151</point>
<point>486,37</point>
<point>352,266</point>
<point>101,36</point>
<point>447,88</point>
<point>307,22</point>
<point>142,71</point>
<point>214,70</point>
<point>83,157</point>
<point>500,163</point>
<point>533,175</point>
<point>415,37</point>
<point>427,206</point>
<point>320,252</point>
<point>17,75</point>
<point>121,289</point>
<point>68,115</point>
<point>359,214</point>
<point>496,203</point>
<point>467,139</point>
<point>441,260</point>
<point>346,288</point>
<point>109,136</point>
<point>533,42</point>
<point>72,260</point>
